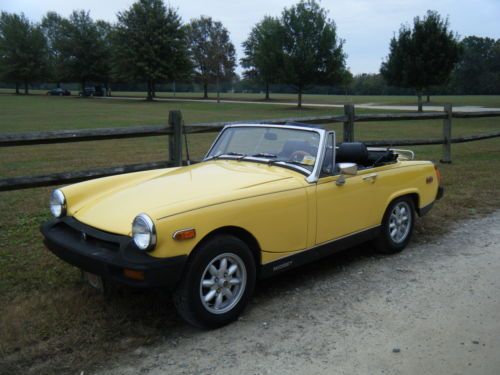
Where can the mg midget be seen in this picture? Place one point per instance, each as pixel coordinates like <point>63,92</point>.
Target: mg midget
<point>265,199</point>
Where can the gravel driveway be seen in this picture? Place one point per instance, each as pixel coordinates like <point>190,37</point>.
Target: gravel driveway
<point>433,309</point>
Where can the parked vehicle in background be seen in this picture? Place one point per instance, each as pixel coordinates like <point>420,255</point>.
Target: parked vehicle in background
<point>59,92</point>
<point>93,91</point>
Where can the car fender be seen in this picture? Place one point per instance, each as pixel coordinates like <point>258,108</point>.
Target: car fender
<point>261,216</point>
<point>400,193</point>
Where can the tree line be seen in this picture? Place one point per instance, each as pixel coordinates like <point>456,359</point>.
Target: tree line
<point>299,50</point>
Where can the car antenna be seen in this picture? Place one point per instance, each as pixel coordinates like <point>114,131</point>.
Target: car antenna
<point>188,161</point>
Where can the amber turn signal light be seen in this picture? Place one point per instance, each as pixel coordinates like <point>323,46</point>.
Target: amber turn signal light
<point>184,234</point>
<point>133,274</point>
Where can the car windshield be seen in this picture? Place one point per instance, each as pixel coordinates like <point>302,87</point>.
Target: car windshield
<point>274,145</point>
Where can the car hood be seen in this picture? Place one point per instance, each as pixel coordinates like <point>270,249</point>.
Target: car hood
<point>167,192</point>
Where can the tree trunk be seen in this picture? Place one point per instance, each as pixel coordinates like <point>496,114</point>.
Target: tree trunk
<point>58,84</point>
<point>218,90</point>
<point>205,90</point>
<point>83,86</point>
<point>106,87</point>
<point>420,102</point>
<point>299,102</point>
<point>149,98</point>
<point>174,88</point>
<point>267,90</point>
<point>428,98</point>
<point>25,87</point>
<point>153,89</point>
<point>17,88</point>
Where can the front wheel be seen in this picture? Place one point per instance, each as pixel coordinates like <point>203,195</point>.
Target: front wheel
<point>217,284</point>
<point>397,226</point>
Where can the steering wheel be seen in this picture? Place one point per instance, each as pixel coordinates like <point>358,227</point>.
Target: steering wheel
<point>299,155</point>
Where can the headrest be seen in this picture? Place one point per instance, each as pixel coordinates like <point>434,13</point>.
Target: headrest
<point>352,152</point>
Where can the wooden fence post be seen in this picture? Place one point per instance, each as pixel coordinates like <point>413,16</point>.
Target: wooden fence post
<point>175,139</point>
<point>447,134</point>
<point>349,124</point>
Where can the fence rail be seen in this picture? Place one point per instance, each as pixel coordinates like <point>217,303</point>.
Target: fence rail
<point>175,129</point>
<point>66,136</point>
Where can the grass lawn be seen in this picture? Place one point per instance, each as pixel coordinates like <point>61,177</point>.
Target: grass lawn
<point>52,323</point>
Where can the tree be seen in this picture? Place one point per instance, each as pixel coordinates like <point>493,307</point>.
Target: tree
<point>104,64</point>
<point>264,52</point>
<point>53,26</point>
<point>150,44</point>
<point>83,52</point>
<point>423,56</point>
<point>23,50</point>
<point>346,80</point>
<point>212,53</point>
<point>478,70</point>
<point>312,51</point>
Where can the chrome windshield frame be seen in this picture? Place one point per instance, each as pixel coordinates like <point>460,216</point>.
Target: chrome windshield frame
<point>312,176</point>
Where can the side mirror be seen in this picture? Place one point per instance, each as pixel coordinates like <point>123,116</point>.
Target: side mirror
<point>346,169</point>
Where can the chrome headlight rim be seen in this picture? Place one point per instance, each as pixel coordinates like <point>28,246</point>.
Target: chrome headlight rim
<point>146,222</point>
<point>57,203</point>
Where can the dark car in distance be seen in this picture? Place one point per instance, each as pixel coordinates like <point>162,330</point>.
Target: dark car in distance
<point>59,92</point>
<point>93,91</point>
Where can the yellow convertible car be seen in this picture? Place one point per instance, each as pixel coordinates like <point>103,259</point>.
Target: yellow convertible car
<point>266,198</point>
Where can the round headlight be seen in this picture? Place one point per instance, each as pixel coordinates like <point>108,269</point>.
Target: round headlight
<point>143,232</point>
<point>57,203</point>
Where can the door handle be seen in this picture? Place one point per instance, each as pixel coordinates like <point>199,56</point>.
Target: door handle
<point>370,178</point>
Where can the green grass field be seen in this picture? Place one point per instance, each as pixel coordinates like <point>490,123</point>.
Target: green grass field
<point>52,323</point>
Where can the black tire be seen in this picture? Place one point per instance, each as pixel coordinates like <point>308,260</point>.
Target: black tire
<point>387,243</point>
<point>189,293</point>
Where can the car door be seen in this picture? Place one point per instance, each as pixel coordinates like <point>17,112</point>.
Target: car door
<point>347,208</point>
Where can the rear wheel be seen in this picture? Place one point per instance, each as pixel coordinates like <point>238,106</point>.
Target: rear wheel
<point>397,226</point>
<point>217,284</point>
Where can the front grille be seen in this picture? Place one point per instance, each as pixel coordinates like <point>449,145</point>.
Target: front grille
<point>83,236</point>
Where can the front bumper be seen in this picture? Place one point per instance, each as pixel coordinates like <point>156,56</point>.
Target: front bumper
<point>440,193</point>
<point>108,255</point>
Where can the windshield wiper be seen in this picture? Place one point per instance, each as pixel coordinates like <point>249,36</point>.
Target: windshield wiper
<point>225,154</point>
<point>258,155</point>
<point>289,161</point>
<point>264,155</point>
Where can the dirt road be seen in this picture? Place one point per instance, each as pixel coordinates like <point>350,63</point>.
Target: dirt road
<point>433,309</point>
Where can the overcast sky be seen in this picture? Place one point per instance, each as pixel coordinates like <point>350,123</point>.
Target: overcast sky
<point>365,25</point>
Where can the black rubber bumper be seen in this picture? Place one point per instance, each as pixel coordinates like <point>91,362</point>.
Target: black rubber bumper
<point>107,255</point>
<point>440,193</point>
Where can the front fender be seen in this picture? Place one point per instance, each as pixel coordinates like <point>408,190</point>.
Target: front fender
<point>278,221</point>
